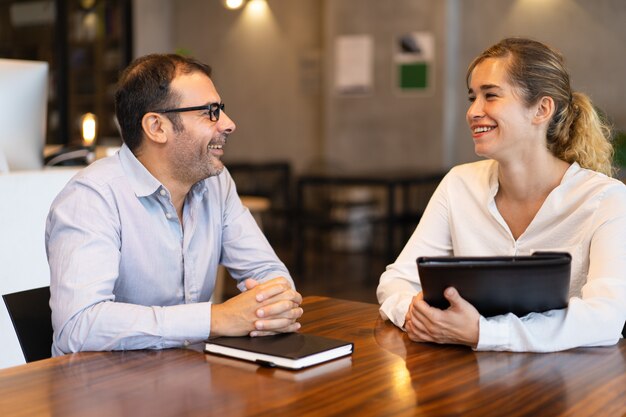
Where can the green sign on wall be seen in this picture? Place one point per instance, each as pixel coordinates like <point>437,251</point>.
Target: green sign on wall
<point>414,75</point>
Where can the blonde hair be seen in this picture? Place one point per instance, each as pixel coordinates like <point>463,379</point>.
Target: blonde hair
<point>576,132</point>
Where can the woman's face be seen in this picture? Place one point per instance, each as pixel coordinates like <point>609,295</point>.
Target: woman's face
<point>500,122</point>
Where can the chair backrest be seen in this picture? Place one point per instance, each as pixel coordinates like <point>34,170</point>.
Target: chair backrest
<point>32,319</point>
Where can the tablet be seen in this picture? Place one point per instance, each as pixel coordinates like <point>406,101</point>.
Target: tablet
<point>501,284</point>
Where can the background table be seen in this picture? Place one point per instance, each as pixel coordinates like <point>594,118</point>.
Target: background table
<point>398,202</point>
<point>386,375</point>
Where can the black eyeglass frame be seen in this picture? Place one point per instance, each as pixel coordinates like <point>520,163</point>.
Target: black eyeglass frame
<point>214,110</point>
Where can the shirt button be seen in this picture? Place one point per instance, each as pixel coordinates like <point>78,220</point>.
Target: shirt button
<point>168,215</point>
<point>162,192</point>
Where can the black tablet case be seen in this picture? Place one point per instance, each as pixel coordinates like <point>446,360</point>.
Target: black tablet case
<point>501,284</point>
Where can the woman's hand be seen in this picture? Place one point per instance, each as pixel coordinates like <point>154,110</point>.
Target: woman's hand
<point>458,324</point>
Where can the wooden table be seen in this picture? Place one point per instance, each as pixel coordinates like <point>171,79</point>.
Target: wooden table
<point>386,375</point>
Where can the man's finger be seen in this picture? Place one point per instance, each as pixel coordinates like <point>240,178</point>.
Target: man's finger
<point>268,290</point>
<point>251,283</point>
<point>273,324</point>
<point>294,327</point>
<point>280,308</point>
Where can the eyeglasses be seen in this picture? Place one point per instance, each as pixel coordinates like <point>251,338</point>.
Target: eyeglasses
<point>213,109</point>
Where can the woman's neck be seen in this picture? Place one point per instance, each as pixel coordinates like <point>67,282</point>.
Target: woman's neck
<point>528,179</point>
<point>524,187</point>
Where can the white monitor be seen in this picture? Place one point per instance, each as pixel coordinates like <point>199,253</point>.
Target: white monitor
<point>23,112</point>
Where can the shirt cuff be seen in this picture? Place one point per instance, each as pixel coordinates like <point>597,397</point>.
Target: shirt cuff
<point>188,323</point>
<point>494,333</point>
<point>395,308</point>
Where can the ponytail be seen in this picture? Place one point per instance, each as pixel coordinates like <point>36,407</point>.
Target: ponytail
<point>578,134</point>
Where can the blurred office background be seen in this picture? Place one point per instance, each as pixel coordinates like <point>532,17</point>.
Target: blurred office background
<point>283,69</point>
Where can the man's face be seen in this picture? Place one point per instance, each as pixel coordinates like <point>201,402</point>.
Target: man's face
<point>195,152</point>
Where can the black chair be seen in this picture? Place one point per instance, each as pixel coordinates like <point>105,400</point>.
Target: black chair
<point>32,319</point>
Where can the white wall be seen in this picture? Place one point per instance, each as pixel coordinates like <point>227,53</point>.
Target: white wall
<point>386,129</point>
<point>153,27</point>
<point>265,67</point>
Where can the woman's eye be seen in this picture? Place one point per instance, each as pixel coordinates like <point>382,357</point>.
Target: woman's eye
<point>490,95</point>
<point>471,99</point>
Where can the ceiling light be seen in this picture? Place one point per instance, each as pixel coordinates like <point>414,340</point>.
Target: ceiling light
<point>233,4</point>
<point>258,6</point>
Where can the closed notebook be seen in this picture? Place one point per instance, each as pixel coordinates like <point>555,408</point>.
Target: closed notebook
<point>501,284</point>
<point>289,350</point>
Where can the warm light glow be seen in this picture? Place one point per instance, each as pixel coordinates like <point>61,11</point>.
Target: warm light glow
<point>87,4</point>
<point>89,128</point>
<point>257,6</point>
<point>234,4</point>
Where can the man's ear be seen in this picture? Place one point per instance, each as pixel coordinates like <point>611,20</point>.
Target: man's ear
<point>154,127</point>
<point>544,110</point>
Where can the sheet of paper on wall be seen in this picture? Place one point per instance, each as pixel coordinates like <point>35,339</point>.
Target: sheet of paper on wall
<point>354,64</point>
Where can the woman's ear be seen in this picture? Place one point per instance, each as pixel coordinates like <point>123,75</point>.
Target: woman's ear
<point>544,110</point>
<point>153,127</point>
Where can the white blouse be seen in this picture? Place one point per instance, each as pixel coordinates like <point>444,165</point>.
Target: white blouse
<point>585,216</point>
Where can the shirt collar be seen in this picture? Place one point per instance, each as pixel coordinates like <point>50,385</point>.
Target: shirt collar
<point>493,180</point>
<point>571,171</point>
<point>493,177</point>
<point>140,179</point>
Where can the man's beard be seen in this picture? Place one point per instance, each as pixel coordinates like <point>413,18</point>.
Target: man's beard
<point>189,166</point>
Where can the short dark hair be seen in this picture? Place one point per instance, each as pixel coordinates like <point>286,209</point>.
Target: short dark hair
<point>145,86</point>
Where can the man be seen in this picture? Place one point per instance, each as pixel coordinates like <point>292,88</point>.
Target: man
<point>134,240</point>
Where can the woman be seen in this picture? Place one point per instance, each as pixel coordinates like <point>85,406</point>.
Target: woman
<point>545,186</point>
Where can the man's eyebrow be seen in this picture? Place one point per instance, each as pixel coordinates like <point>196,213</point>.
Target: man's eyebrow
<point>485,87</point>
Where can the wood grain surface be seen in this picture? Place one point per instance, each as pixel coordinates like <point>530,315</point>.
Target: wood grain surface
<point>387,375</point>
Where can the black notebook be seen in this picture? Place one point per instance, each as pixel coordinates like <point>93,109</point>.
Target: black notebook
<point>289,350</point>
<point>500,284</point>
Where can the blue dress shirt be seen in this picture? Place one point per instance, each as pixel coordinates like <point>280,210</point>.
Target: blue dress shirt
<point>126,274</point>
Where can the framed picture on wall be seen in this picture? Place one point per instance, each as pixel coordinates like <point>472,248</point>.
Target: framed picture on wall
<point>413,63</point>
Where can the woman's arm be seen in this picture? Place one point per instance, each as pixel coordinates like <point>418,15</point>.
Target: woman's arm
<point>400,281</point>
